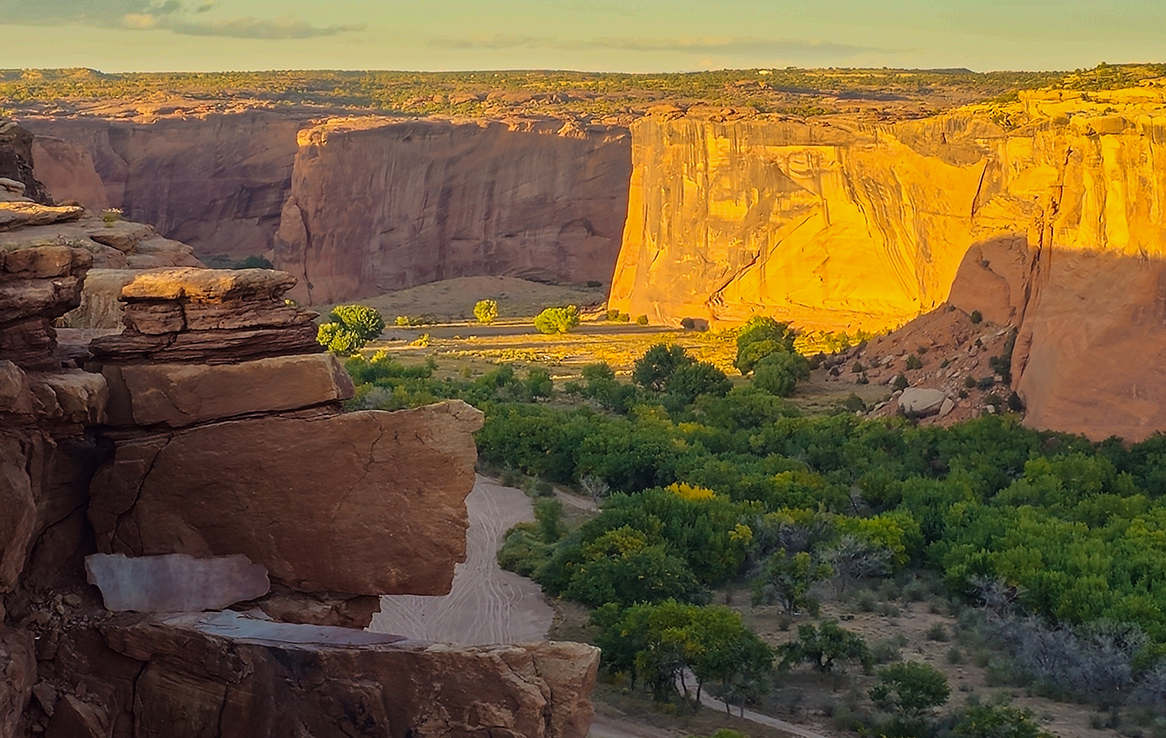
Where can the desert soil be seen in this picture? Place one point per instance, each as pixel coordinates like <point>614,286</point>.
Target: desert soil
<point>454,299</point>
<point>487,605</point>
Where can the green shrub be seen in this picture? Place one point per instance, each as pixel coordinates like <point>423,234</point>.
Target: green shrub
<point>914,362</point>
<point>759,338</point>
<point>486,311</point>
<point>900,382</point>
<point>970,382</point>
<point>910,687</point>
<point>825,647</point>
<point>349,328</point>
<point>778,373</point>
<point>557,319</point>
<point>857,368</point>
<point>976,317</point>
<point>642,320</point>
<point>653,370</point>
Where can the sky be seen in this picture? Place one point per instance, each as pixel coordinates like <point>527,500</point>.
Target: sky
<point>591,35</point>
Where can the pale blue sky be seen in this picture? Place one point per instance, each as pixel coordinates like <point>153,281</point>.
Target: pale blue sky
<point>605,35</point>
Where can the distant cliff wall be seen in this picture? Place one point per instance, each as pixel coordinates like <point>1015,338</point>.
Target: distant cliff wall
<point>383,204</point>
<point>845,228</point>
<point>216,182</point>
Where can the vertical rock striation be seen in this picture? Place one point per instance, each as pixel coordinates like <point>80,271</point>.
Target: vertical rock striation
<point>381,204</point>
<point>1046,214</point>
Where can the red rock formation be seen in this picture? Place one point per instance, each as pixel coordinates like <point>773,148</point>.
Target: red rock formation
<point>367,502</point>
<point>1045,215</point>
<point>228,676</point>
<point>383,204</point>
<point>215,181</point>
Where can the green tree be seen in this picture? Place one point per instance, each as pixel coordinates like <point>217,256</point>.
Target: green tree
<point>690,381</point>
<point>759,338</point>
<point>910,687</point>
<point>653,370</point>
<point>787,579</point>
<point>486,311</point>
<point>349,328</point>
<point>557,319</point>
<point>825,647</point>
<point>778,373</point>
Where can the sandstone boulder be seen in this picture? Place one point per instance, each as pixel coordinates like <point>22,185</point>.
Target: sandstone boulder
<point>175,583</point>
<point>363,503</point>
<point>17,677</point>
<point>179,395</point>
<point>77,719</point>
<point>263,680</point>
<point>920,402</point>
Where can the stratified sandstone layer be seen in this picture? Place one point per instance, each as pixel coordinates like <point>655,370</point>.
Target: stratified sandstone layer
<point>227,676</point>
<point>381,204</point>
<point>216,181</point>
<point>847,228</point>
<point>361,503</point>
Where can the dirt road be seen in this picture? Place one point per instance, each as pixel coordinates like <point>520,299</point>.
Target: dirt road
<point>487,604</point>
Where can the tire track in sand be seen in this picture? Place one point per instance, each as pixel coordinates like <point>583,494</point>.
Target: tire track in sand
<point>486,604</point>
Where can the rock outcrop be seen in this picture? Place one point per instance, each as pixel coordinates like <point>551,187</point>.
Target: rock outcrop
<point>383,204</point>
<point>363,503</point>
<point>232,446</point>
<point>1044,215</point>
<point>16,160</point>
<point>175,583</point>
<point>226,676</point>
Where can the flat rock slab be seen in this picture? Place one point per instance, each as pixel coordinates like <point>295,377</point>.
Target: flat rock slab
<point>178,395</point>
<point>209,285</point>
<point>258,679</point>
<point>175,582</point>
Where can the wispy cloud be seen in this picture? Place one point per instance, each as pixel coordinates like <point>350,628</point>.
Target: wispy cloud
<point>792,48</point>
<point>175,16</point>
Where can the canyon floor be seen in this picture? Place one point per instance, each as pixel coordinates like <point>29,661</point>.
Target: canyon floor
<point>487,605</point>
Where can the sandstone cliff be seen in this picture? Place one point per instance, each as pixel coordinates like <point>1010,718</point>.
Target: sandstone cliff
<point>208,437</point>
<point>381,204</point>
<point>374,205</point>
<point>1059,196</point>
<point>215,181</point>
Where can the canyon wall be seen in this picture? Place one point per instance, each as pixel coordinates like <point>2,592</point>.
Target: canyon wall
<point>356,207</point>
<point>215,181</point>
<point>381,204</point>
<point>1061,197</point>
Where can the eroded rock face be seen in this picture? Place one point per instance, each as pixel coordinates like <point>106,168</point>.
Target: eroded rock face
<point>1049,225</point>
<point>214,316</point>
<point>363,503</point>
<point>256,679</point>
<point>16,160</point>
<point>214,181</point>
<point>379,204</point>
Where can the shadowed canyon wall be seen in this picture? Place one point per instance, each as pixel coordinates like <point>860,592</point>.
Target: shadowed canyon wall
<point>379,204</point>
<point>373,205</point>
<point>216,182</point>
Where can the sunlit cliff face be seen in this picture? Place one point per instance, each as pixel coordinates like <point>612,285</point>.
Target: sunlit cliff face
<point>1048,214</point>
<point>840,226</point>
